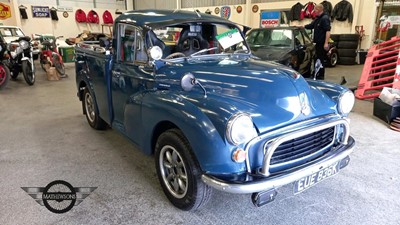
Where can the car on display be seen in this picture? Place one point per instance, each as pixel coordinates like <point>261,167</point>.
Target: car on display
<point>212,114</point>
<point>290,46</point>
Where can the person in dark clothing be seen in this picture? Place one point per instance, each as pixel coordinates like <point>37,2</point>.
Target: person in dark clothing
<point>322,32</point>
<point>327,7</point>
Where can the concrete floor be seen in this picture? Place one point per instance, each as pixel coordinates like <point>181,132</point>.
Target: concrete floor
<point>45,137</point>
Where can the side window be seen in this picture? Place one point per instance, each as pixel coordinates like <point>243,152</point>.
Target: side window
<point>141,55</point>
<point>127,43</point>
<point>298,40</point>
<point>307,39</point>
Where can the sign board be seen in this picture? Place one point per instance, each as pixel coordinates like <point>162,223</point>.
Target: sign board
<point>40,11</point>
<point>270,19</point>
<point>5,11</point>
<point>64,9</point>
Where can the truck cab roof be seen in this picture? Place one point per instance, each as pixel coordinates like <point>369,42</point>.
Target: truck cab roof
<point>151,19</point>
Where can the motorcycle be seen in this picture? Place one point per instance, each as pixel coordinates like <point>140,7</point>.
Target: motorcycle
<point>4,71</point>
<point>20,59</point>
<point>50,54</point>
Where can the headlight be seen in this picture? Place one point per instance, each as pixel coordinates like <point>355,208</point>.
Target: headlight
<point>346,102</point>
<point>24,44</point>
<point>240,129</point>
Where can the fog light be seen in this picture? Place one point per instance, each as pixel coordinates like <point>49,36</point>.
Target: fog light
<point>239,155</point>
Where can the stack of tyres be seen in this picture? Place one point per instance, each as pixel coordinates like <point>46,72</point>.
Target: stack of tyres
<point>347,48</point>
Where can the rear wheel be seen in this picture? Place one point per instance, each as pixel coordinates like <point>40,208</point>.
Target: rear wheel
<point>332,59</point>
<point>59,65</point>
<point>91,111</point>
<point>29,74</point>
<point>4,76</point>
<point>179,173</point>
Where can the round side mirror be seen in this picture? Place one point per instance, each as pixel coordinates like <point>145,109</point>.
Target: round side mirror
<point>188,81</point>
<point>155,53</point>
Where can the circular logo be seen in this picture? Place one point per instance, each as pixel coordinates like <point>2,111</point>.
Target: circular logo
<point>65,14</point>
<point>216,10</point>
<point>59,196</point>
<point>255,8</point>
<point>239,9</point>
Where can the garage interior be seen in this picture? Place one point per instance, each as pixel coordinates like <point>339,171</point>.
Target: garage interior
<point>45,137</point>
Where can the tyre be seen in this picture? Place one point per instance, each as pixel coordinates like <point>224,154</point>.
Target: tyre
<point>29,74</point>
<point>59,65</point>
<point>4,76</point>
<point>347,60</point>
<point>349,37</point>
<point>179,173</point>
<point>347,45</point>
<point>91,111</point>
<point>335,37</point>
<point>332,59</point>
<point>347,52</point>
<point>43,62</point>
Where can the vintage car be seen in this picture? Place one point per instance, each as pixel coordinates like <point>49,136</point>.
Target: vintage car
<point>212,114</point>
<point>290,46</point>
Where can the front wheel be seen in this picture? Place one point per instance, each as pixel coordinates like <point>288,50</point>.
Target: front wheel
<point>4,76</point>
<point>179,173</point>
<point>91,112</point>
<point>29,74</point>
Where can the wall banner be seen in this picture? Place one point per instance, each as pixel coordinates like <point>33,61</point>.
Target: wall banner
<point>40,11</point>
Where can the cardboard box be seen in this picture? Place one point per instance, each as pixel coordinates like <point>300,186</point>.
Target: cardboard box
<point>52,74</point>
<point>385,111</point>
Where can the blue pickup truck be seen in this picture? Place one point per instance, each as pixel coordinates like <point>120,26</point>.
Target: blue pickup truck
<point>213,115</point>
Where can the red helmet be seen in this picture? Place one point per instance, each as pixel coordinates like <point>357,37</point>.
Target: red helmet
<point>80,16</point>
<point>107,17</point>
<point>92,17</point>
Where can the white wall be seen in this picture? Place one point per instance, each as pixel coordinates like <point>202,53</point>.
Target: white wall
<point>100,4</point>
<point>364,14</point>
<point>66,27</point>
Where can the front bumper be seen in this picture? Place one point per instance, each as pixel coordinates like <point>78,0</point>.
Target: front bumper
<point>274,182</point>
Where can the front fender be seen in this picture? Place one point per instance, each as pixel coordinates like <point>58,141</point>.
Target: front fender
<point>213,153</point>
<point>332,90</point>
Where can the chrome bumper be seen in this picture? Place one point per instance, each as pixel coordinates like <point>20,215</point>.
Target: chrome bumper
<point>274,182</point>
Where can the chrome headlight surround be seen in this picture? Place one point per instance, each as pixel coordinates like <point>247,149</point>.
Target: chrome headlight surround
<point>240,129</point>
<point>346,102</point>
<point>24,44</point>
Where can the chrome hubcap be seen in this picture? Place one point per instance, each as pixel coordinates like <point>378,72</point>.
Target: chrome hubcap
<point>333,59</point>
<point>89,106</point>
<point>173,171</point>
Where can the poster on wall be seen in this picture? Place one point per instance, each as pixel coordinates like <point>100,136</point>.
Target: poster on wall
<point>40,11</point>
<point>5,11</point>
<point>270,19</point>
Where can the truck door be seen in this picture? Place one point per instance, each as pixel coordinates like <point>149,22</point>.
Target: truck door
<point>128,81</point>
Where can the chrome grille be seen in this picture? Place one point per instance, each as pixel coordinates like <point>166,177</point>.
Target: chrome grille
<point>306,145</point>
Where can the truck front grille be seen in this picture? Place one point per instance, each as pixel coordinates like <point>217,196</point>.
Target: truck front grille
<point>298,148</point>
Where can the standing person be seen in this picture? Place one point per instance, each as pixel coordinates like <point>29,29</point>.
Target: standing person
<point>322,32</point>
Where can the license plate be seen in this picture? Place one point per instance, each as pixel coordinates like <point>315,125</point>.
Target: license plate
<point>313,179</point>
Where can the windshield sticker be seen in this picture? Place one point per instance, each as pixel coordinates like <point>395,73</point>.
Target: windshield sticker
<point>229,38</point>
